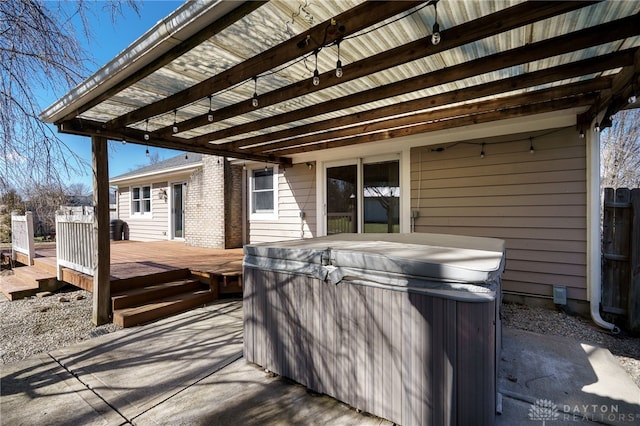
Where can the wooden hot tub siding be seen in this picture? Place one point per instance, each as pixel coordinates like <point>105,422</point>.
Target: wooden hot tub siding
<point>410,358</point>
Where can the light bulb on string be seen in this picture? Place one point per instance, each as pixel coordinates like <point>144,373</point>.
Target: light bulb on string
<point>339,62</point>
<point>316,74</point>
<point>210,114</point>
<point>175,123</point>
<point>146,129</point>
<point>531,150</point>
<point>482,151</point>
<point>254,100</point>
<point>435,37</point>
<point>596,128</point>
<point>147,152</point>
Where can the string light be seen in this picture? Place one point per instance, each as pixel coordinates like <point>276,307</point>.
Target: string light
<point>175,123</point>
<point>316,74</point>
<point>435,37</point>
<point>482,151</point>
<point>266,169</point>
<point>186,156</point>
<point>339,62</point>
<point>210,114</point>
<point>254,100</point>
<point>146,131</point>
<point>244,166</point>
<point>582,135</point>
<point>596,128</point>
<point>147,152</point>
<point>531,150</point>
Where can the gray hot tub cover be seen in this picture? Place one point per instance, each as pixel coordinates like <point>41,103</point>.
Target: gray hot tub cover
<point>454,266</point>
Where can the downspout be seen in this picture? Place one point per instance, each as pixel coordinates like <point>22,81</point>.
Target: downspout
<point>594,247</point>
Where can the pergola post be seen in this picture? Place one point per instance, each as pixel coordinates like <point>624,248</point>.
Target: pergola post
<point>101,250</point>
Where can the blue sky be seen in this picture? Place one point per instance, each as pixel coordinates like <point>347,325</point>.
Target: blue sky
<point>109,39</point>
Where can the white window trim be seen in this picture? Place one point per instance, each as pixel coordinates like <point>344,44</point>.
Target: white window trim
<point>148,214</point>
<point>267,215</point>
<point>405,182</point>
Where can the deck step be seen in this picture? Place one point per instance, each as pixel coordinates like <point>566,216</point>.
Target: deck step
<point>44,280</point>
<point>161,308</point>
<point>141,295</point>
<point>15,288</point>
<point>150,279</point>
<point>47,264</point>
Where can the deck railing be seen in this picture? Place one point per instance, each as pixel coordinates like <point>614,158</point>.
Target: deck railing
<point>22,236</point>
<point>74,242</point>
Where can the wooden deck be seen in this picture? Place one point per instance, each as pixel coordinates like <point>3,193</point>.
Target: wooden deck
<point>135,258</point>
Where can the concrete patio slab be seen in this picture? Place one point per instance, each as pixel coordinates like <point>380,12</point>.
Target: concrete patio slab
<point>38,391</point>
<point>566,381</point>
<point>188,369</point>
<point>138,370</point>
<point>244,394</point>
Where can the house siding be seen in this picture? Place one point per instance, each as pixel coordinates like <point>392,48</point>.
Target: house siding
<point>149,228</point>
<point>536,202</point>
<point>296,193</point>
<point>204,205</point>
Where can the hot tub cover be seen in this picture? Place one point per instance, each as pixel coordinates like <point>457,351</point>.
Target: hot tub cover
<point>454,266</point>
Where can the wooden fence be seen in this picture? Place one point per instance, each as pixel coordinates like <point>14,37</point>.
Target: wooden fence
<point>621,255</point>
<point>22,236</point>
<point>74,242</point>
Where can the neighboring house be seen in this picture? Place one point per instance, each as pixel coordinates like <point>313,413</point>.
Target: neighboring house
<point>487,132</point>
<point>187,197</point>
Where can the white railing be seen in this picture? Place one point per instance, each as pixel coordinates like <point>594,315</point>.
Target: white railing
<point>22,236</point>
<point>75,242</point>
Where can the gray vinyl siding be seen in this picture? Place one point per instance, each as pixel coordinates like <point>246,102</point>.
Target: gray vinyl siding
<point>296,193</point>
<point>536,202</point>
<point>152,228</point>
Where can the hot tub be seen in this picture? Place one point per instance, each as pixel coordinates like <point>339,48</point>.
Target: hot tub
<point>403,326</point>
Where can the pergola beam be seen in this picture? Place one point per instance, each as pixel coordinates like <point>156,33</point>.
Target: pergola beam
<point>477,29</point>
<point>93,129</point>
<point>507,102</point>
<point>349,22</point>
<point>280,139</point>
<point>611,31</point>
<point>174,53</point>
<point>450,123</point>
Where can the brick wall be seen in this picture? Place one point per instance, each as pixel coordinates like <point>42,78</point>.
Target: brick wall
<point>205,205</point>
<point>233,206</point>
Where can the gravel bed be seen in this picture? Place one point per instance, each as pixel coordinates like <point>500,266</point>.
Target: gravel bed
<point>34,325</point>
<point>625,348</point>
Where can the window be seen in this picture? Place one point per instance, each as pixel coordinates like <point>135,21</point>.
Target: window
<point>263,193</point>
<point>141,200</point>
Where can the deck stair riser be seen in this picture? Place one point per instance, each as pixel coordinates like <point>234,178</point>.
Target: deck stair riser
<point>161,308</point>
<point>43,280</point>
<point>119,285</point>
<point>149,293</point>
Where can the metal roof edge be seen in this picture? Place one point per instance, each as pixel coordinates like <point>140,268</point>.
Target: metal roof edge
<point>181,24</point>
<point>172,171</point>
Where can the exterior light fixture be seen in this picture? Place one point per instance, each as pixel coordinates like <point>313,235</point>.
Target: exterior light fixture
<point>316,74</point>
<point>175,123</point>
<point>338,63</point>
<point>210,114</point>
<point>146,131</point>
<point>435,36</point>
<point>254,100</point>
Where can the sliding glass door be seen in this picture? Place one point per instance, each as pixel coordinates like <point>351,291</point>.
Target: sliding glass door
<point>363,197</point>
<point>342,199</point>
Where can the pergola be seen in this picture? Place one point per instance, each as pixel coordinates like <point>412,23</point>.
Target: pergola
<point>269,81</point>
